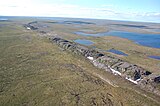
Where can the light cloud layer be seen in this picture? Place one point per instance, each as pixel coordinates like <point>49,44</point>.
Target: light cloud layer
<point>32,8</point>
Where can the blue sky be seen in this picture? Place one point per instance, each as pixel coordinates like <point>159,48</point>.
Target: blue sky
<point>132,10</point>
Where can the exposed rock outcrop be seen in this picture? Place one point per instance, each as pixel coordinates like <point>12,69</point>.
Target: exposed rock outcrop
<point>131,72</point>
<point>31,26</point>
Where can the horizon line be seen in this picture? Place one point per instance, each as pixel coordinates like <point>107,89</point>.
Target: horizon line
<point>82,18</point>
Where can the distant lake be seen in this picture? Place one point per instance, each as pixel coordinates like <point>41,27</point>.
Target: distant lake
<point>3,19</point>
<point>150,40</point>
<point>84,42</point>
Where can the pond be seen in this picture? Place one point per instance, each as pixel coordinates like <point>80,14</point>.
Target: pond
<point>155,57</point>
<point>117,52</point>
<point>84,42</point>
<point>150,40</point>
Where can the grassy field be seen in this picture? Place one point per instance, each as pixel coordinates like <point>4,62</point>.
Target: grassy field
<point>35,72</point>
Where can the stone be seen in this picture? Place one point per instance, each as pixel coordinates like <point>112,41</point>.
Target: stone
<point>157,79</point>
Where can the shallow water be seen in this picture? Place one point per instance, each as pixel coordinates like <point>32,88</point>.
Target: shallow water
<point>84,42</point>
<point>117,52</point>
<point>155,57</point>
<point>150,40</point>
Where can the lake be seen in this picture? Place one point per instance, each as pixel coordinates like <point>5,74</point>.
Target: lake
<point>150,40</point>
<point>84,42</point>
<point>155,57</point>
<point>117,52</point>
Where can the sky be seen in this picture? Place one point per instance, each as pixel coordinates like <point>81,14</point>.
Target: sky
<point>128,10</point>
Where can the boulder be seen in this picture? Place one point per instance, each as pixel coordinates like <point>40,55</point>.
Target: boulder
<point>157,79</point>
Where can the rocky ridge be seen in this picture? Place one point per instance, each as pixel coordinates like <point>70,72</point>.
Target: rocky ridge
<point>132,72</point>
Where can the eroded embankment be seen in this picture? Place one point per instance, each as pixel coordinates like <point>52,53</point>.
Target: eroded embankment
<point>136,74</point>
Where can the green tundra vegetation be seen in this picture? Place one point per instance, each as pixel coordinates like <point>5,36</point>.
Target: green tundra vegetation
<point>35,72</point>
